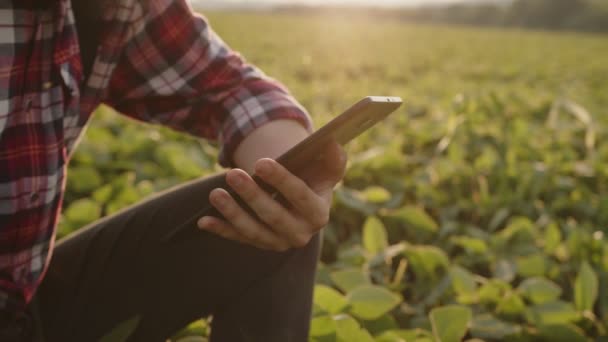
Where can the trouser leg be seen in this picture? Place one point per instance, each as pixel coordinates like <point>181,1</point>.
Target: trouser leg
<point>276,308</point>
<point>121,267</point>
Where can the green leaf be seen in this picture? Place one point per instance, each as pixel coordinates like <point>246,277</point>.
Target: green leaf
<point>377,326</point>
<point>348,330</point>
<point>518,238</point>
<point>192,339</point>
<point>84,179</point>
<point>391,336</point>
<point>450,323</point>
<point>498,219</point>
<point>471,245</point>
<point>575,242</point>
<point>486,326</point>
<point>403,335</point>
<point>519,231</point>
<point>414,221</point>
<point>197,328</point>
<point>125,193</point>
<point>493,291</point>
<point>354,255</point>
<point>532,266</point>
<point>323,274</point>
<point>82,212</point>
<point>438,290</point>
<point>322,326</point>
<point>349,279</point>
<point>376,194</point>
<point>585,288</point>
<point>603,295</point>
<point>562,333</point>
<point>463,282</point>
<point>604,261</point>
<point>390,252</point>
<point>370,302</point>
<point>539,290</point>
<point>329,299</point>
<point>352,199</point>
<point>511,305</point>
<point>556,312</point>
<point>552,239</point>
<point>426,260</point>
<point>122,331</point>
<point>103,194</point>
<point>504,270</point>
<point>374,235</point>
<point>178,158</point>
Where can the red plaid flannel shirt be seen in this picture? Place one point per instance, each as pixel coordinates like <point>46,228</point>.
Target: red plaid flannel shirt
<point>157,62</point>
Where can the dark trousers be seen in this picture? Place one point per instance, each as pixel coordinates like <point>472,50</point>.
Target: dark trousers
<point>120,268</point>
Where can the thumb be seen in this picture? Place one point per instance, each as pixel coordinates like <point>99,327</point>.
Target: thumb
<point>335,162</point>
<point>323,175</point>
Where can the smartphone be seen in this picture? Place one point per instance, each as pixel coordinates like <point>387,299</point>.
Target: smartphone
<point>342,129</point>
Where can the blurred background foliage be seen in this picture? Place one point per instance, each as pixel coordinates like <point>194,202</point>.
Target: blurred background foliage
<point>578,15</point>
<point>477,212</point>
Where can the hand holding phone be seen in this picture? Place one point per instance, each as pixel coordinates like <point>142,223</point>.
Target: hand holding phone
<point>357,119</point>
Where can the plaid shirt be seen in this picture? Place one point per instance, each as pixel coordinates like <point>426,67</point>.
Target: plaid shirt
<point>156,62</point>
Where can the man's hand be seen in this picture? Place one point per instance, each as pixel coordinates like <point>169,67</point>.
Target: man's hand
<point>279,227</point>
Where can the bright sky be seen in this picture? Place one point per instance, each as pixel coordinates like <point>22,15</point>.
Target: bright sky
<point>377,2</point>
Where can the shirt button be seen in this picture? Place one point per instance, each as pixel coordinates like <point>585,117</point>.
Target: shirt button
<point>47,85</point>
<point>34,197</point>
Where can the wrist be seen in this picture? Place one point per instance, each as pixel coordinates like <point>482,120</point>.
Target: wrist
<point>268,141</point>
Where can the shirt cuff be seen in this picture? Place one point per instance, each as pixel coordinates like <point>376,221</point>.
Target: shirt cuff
<point>247,113</point>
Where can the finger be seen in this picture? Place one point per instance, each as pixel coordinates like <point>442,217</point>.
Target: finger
<point>330,169</point>
<point>306,202</point>
<point>224,229</point>
<point>278,218</point>
<point>221,228</point>
<point>249,227</point>
<point>335,161</point>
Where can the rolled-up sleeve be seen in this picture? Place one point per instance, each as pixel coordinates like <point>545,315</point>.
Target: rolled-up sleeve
<point>177,72</point>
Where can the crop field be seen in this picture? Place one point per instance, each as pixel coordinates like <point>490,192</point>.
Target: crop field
<point>479,211</point>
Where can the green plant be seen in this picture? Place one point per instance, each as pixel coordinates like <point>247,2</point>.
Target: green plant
<point>479,211</point>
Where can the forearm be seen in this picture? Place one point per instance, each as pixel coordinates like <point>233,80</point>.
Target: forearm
<point>268,141</point>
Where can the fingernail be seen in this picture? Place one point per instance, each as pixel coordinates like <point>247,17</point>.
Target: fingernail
<point>218,199</point>
<point>262,168</point>
<point>236,180</point>
<point>204,222</point>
